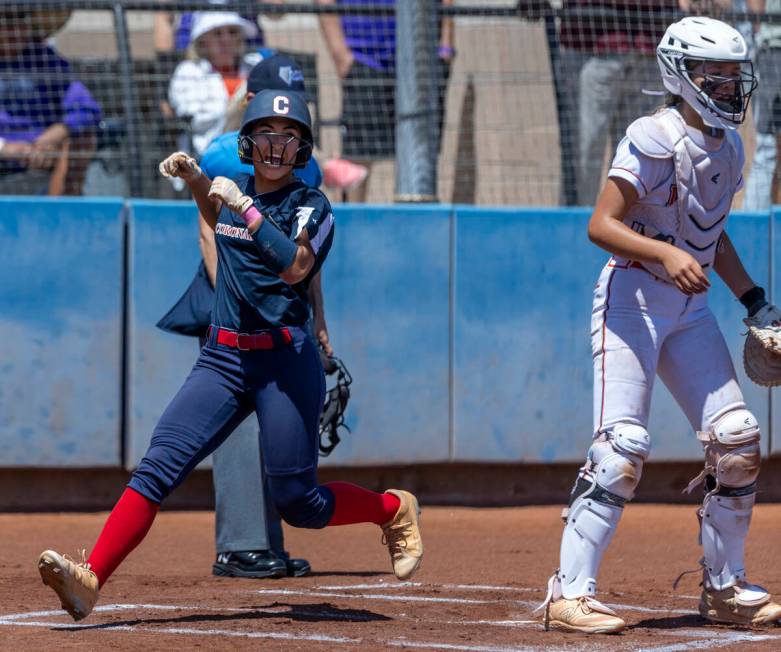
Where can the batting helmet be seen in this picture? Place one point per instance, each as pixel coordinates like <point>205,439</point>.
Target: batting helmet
<point>277,104</point>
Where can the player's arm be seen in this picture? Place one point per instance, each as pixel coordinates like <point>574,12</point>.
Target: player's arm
<point>315,293</point>
<point>606,229</point>
<point>183,166</point>
<point>291,260</point>
<point>208,249</point>
<point>730,268</point>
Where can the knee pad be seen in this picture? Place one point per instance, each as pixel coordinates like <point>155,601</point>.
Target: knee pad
<point>732,454</point>
<point>614,464</point>
<point>300,501</point>
<point>607,480</point>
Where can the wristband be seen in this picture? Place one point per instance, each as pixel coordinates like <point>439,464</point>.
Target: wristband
<point>250,216</point>
<point>753,300</point>
<point>2,144</point>
<point>446,52</point>
<point>276,250</point>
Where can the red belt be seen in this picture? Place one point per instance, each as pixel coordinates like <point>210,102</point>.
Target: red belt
<point>264,341</point>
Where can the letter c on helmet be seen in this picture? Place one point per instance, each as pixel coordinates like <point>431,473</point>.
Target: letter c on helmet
<point>281,105</point>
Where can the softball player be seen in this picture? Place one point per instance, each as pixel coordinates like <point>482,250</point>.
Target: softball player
<point>662,214</point>
<point>273,234</point>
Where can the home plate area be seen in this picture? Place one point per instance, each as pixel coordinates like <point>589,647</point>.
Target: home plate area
<point>384,614</point>
<point>483,573</point>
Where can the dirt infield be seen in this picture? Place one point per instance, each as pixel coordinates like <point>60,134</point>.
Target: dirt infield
<point>483,572</point>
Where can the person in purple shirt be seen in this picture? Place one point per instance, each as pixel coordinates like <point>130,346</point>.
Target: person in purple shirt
<point>47,117</point>
<point>363,48</point>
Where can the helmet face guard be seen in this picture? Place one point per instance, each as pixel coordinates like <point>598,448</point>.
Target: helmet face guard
<point>283,149</point>
<point>726,96</point>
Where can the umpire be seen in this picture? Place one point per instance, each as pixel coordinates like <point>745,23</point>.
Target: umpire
<point>249,535</point>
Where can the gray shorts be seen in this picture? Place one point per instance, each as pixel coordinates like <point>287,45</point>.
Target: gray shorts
<point>29,182</point>
<point>767,98</point>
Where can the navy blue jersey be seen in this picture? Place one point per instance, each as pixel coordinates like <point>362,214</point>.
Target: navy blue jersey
<point>249,296</point>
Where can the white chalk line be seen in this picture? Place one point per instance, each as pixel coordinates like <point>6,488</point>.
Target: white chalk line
<point>716,639</point>
<point>371,596</point>
<point>430,599</point>
<point>404,585</point>
<point>706,638</point>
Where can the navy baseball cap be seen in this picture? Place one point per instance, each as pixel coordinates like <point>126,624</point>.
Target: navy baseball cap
<point>278,72</point>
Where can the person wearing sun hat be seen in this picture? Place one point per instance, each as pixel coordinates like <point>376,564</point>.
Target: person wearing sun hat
<point>204,85</point>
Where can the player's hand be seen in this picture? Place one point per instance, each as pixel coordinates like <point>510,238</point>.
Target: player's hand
<point>321,333</point>
<point>684,271</point>
<point>229,194</point>
<point>181,165</point>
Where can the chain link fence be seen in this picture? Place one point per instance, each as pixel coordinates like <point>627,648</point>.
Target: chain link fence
<point>500,103</point>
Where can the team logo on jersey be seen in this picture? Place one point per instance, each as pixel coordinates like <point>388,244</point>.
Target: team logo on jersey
<point>715,177</point>
<point>303,213</point>
<point>673,197</point>
<point>281,105</point>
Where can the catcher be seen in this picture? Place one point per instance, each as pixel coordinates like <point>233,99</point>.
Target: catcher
<point>662,215</point>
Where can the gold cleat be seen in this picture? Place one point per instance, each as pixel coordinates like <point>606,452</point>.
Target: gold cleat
<point>584,614</point>
<point>742,604</point>
<point>75,584</point>
<point>402,535</point>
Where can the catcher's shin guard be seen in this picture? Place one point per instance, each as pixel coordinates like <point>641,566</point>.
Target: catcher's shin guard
<point>732,457</point>
<point>607,480</point>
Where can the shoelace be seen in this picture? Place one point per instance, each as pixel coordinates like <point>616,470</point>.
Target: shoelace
<point>548,597</point>
<point>393,537</point>
<point>688,572</point>
<point>80,564</point>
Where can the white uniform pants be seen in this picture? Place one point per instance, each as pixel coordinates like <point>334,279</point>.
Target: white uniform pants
<point>642,326</point>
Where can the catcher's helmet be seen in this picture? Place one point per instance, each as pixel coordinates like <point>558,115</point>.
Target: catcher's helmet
<point>695,41</point>
<point>277,104</point>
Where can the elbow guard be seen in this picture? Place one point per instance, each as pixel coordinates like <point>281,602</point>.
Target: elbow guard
<point>276,250</point>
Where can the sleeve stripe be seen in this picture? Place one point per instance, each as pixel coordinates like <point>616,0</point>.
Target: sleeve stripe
<point>634,174</point>
<point>325,228</point>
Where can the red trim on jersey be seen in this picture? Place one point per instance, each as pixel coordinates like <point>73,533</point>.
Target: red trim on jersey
<point>616,167</point>
<point>673,197</point>
<point>604,329</point>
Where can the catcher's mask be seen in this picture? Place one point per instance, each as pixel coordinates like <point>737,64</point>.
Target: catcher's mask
<point>332,416</point>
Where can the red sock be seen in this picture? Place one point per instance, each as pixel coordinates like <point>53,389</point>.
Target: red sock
<point>355,504</point>
<point>125,528</point>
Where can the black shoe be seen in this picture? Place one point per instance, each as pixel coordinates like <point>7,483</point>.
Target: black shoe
<point>295,567</point>
<point>257,564</point>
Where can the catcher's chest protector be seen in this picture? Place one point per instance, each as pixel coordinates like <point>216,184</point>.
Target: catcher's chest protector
<point>705,183</point>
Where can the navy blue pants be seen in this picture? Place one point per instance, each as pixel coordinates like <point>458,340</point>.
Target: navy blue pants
<point>285,387</point>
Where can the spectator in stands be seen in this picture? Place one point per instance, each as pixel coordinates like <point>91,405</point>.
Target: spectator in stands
<point>175,36</point>
<point>762,186</point>
<point>363,48</point>
<point>612,57</point>
<point>204,88</point>
<point>47,118</point>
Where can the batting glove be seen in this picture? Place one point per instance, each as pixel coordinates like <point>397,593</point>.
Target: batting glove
<point>228,192</point>
<point>182,165</point>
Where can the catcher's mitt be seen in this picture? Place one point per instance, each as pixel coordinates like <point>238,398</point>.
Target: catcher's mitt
<point>762,350</point>
<point>332,416</point>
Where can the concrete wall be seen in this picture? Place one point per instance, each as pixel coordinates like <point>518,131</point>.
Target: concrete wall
<point>466,330</point>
